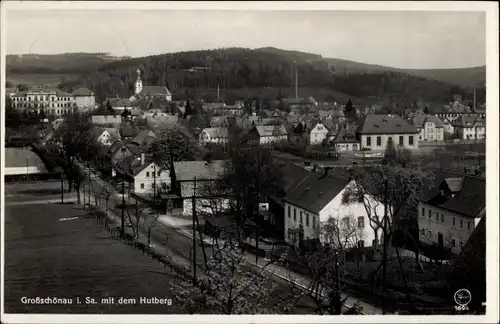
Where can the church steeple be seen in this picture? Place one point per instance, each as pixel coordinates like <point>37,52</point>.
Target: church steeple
<point>138,82</point>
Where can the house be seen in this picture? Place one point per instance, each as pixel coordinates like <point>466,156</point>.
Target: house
<point>375,131</point>
<point>105,136</point>
<point>293,174</point>
<point>119,104</point>
<point>144,138</point>
<point>149,92</point>
<point>318,198</point>
<point>145,173</point>
<point>216,135</point>
<point>318,133</point>
<point>103,120</point>
<point>204,172</point>
<point>430,128</point>
<point>345,139</point>
<point>219,121</point>
<point>130,132</point>
<point>159,121</point>
<point>469,127</point>
<point>120,150</point>
<point>451,211</point>
<point>51,101</point>
<point>84,99</point>
<point>447,126</point>
<point>263,135</point>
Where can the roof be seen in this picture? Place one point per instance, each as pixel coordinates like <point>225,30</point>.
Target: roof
<point>140,138</point>
<point>345,135</point>
<point>271,130</point>
<point>106,119</point>
<point>17,157</point>
<point>201,170</point>
<point>134,148</point>
<point>316,191</point>
<point>216,132</point>
<point>420,120</point>
<point>470,197</point>
<point>385,124</point>
<point>82,92</point>
<point>120,102</point>
<point>155,91</point>
<point>293,174</point>
<point>130,131</point>
<point>218,121</point>
<point>160,103</point>
<point>133,165</point>
<point>468,121</point>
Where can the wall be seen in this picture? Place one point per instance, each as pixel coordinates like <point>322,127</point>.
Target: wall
<point>85,102</point>
<point>431,133</point>
<point>23,170</point>
<point>335,209</point>
<point>384,139</point>
<point>318,134</point>
<point>435,226</point>
<point>272,139</point>
<point>148,179</point>
<point>343,147</point>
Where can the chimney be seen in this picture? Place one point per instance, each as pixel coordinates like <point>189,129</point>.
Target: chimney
<point>143,158</point>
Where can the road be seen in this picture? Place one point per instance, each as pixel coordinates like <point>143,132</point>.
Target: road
<point>178,243</point>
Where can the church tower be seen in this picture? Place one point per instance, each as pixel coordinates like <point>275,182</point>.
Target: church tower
<point>138,82</point>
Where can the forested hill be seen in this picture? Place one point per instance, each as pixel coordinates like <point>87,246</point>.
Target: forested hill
<point>239,68</point>
<point>57,63</point>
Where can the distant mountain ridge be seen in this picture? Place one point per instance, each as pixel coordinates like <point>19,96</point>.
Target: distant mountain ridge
<point>467,77</point>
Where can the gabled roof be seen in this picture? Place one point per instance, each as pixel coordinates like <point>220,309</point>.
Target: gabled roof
<point>385,124</point>
<point>468,121</point>
<point>345,135</point>
<point>271,130</point>
<point>420,120</point>
<point>316,191</point>
<point>130,131</point>
<point>216,132</point>
<point>155,91</point>
<point>82,92</point>
<point>139,139</point>
<point>133,148</point>
<point>469,198</point>
<point>132,165</point>
<point>201,170</point>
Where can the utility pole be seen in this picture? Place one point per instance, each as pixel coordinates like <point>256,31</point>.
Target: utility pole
<point>122,229</point>
<point>337,281</point>
<point>384,256</point>
<point>62,187</point>
<point>84,204</point>
<point>154,184</point>
<point>257,221</point>
<point>90,182</point>
<point>296,84</point>
<point>193,202</point>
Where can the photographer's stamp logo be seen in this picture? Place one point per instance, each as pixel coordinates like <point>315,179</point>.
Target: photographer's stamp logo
<point>462,298</point>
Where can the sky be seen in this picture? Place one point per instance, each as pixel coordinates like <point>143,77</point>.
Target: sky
<point>411,39</point>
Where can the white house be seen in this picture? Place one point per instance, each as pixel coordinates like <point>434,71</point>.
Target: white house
<point>105,136</point>
<point>376,130</point>
<point>469,127</point>
<point>216,135</point>
<point>317,199</point>
<point>345,139</point>
<point>263,135</point>
<point>318,133</point>
<point>448,126</point>
<point>449,214</point>
<point>430,128</point>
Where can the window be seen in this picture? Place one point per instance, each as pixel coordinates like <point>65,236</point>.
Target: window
<point>142,185</point>
<point>423,231</point>
<point>437,217</point>
<point>410,140</point>
<point>453,243</point>
<point>289,211</point>
<point>307,219</point>
<point>401,139</point>
<point>453,221</point>
<point>300,217</point>
<point>159,173</point>
<point>442,218</point>
<point>461,244</point>
<point>314,221</point>
<point>361,243</point>
<point>147,174</point>
<point>368,141</point>
<point>423,212</point>
<point>295,214</point>
<point>379,141</point>
<point>461,224</point>
<point>361,222</point>
<point>430,235</point>
<point>430,214</point>
<point>468,226</point>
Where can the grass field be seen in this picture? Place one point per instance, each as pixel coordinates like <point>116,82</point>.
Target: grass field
<point>47,257</point>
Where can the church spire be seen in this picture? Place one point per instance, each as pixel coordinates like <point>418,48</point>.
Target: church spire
<point>138,82</point>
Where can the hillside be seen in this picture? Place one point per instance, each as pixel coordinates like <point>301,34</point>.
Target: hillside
<point>66,63</point>
<point>240,68</point>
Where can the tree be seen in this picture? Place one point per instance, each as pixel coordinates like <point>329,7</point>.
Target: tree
<point>399,189</point>
<point>226,287</point>
<point>173,145</point>
<point>188,109</point>
<point>73,139</point>
<point>390,154</point>
<point>349,110</point>
<point>426,110</point>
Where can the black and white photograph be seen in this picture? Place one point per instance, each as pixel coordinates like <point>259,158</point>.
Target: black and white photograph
<point>261,159</point>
